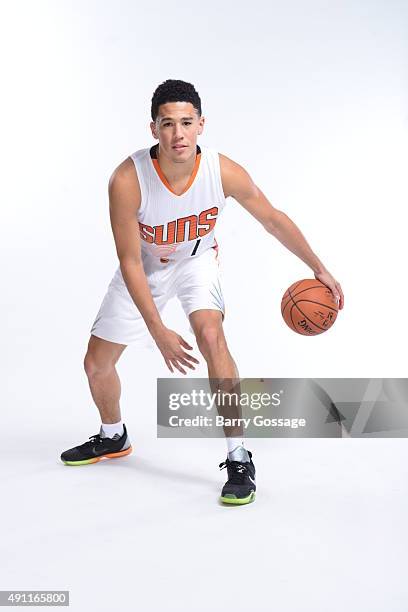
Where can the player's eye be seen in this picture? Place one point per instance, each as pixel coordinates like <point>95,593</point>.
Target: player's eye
<point>166,124</point>
<point>187,123</point>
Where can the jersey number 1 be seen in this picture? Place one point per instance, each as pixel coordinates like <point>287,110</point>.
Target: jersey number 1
<point>196,247</point>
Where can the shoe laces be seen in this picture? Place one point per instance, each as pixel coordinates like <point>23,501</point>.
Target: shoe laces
<point>94,440</point>
<point>237,472</point>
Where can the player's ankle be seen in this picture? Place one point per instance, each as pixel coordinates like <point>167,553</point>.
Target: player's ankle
<point>110,429</point>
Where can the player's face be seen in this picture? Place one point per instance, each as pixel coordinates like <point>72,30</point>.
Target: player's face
<point>176,128</point>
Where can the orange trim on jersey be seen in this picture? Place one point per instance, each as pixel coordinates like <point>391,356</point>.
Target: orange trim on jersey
<point>190,180</point>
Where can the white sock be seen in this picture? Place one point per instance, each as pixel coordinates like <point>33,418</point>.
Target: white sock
<point>233,443</point>
<point>237,450</point>
<point>110,429</point>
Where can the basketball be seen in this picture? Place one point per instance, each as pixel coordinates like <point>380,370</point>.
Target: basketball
<point>308,307</point>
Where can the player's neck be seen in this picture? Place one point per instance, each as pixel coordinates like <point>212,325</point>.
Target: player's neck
<point>175,172</point>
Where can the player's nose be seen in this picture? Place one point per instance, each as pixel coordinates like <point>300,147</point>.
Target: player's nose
<point>178,132</point>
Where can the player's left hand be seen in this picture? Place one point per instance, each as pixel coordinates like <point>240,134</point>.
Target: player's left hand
<point>327,279</point>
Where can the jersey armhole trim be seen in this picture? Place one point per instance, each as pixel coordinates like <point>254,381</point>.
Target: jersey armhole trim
<point>142,187</point>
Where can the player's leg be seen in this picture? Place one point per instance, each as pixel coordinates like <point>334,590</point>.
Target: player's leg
<point>198,288</point>
<point>118,323</point>
<point>199,291</point>
<point>104,383</point>
<point>112,440</point>
<point>222,371</point>
<point>209,333</point>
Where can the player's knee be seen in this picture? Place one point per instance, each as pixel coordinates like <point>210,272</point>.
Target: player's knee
<point>210,340</point>
<point>96,367</point>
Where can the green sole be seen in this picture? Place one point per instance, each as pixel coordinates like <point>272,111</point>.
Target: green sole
<point>237,501</point>
<point>84,462</point>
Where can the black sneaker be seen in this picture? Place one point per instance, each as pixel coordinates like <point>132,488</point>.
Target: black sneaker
<point>240,487</point>
<point>98,448</point>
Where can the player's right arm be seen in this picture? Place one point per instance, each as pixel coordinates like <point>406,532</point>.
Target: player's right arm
<point>124,203</point>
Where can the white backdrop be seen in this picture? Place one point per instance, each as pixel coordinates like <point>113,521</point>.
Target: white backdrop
<point>310,97</point>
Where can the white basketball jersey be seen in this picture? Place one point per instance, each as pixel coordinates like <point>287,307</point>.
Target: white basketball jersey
<point>173,227</point>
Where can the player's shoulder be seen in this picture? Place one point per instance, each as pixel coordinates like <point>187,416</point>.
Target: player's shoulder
<point>233,176</point>
<point>229,166</point>
<point>124,174</point>
<point>124,184</point>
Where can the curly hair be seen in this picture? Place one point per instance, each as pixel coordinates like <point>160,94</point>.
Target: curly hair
<point>175,91</point>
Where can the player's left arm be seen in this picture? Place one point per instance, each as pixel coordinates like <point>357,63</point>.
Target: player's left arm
<point>237,183</point>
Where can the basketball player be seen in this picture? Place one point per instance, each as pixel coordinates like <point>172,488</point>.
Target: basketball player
<point>164,204</point>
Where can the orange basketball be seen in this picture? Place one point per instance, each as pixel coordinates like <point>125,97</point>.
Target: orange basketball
<point>309,307</point>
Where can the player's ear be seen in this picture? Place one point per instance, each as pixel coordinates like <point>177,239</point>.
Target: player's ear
<point>201,122</point>
<point>154,131</point>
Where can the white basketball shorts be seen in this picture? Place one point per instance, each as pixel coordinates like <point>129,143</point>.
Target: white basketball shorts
<point>194,281</point>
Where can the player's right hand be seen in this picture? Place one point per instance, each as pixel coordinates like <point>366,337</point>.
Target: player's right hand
<point>171,346</point>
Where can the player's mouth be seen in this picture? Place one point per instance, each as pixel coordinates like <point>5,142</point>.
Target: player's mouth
<point>179,147</point>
